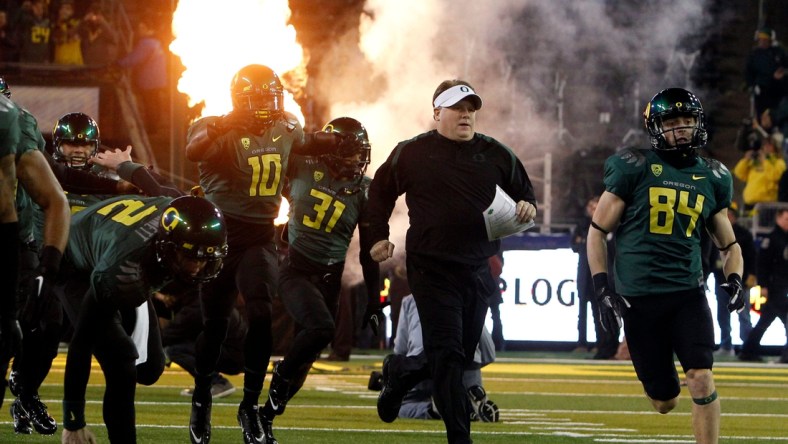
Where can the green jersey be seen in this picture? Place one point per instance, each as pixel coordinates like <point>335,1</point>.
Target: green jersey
<point>114,241</point>
<point>658,239</point>
<point>324,211</point>
<point>9,126</point>
<point>243,172</point>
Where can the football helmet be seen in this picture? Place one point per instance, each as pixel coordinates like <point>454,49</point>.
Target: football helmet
<point>76,129</point>
<point>4,89</point>
<point>670,103</point>
<point>192,230</point>
<point>257,88</point>
<point>348,165</point>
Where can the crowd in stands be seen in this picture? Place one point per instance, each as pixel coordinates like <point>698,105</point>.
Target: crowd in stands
<point>65,32</point>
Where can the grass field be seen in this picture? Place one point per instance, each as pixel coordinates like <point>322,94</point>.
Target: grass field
<point>542,399</point>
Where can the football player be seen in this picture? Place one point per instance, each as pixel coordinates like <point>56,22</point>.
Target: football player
<point>120,251</point>
<point>76,139</point>
<point>242,158</point>
<point>658,201</point>
<point>328,197</point>
<point>37,185</point>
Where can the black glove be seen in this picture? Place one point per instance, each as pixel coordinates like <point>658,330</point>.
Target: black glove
<point>39,295</point>
<point>611,304</point>
<point>373,316</point>
<point>235,119</point>
<point>735,290</point>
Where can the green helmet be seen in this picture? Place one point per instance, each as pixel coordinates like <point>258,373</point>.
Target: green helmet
<point>354,140</point>
<point>76,129</point>
<point>192,229</point>
<point>257,88</point>
<point>670,103</point>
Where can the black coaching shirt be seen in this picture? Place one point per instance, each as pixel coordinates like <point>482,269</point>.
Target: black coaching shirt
<point>447,185</point>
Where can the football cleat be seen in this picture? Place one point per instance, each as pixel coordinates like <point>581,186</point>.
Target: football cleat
<point>390,398</point>
<point>200,422</point>
<point>37,413</point>
<point>278,391</point>
<point>489,412</point>
<point>249,421</point>
<point>482,409</point>
<point>22,425</point>
<point>268,430</point>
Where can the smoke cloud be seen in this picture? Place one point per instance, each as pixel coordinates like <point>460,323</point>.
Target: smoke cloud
<point>556,76</point>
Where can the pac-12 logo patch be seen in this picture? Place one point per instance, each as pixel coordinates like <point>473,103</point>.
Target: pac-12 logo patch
<point>246,142</point>
<point>318,175</point>
<point>656,169</point>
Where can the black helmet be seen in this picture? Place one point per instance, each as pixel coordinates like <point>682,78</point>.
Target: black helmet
<point>670,103</point>
<point>192,228</point>
<point>257,88</point>
<point>342,163</point>
<point>77,129</point>
<point>4,88</point>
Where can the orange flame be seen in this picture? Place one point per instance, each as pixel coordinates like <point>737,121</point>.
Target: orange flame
<point>214,42</point>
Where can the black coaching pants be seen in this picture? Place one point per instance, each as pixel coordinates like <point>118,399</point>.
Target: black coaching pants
<point>452,300</point>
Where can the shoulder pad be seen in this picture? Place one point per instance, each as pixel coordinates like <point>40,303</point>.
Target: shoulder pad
<point>632,156</point>
<point>717,168</point>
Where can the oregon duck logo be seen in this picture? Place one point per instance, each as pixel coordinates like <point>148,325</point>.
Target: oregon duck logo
<point>318,175</point>
<point>170,219</point>
<point>656,169</point>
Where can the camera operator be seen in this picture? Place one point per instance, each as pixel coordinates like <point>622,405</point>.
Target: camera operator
<point>760,169</point>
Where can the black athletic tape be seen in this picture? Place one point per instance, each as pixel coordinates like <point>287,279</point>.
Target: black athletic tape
<point>707,400</point>
<point>593,224</point>
<point>729,245</point>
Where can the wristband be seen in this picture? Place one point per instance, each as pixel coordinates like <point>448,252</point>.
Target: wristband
<point>49,260</point>
<point>600,281</point>
<point>74,415</point>
<point>736,278</point>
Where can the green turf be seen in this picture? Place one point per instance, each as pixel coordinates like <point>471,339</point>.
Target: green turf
<point>544,398</point>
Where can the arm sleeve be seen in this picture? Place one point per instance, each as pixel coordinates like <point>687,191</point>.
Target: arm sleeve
<point>369,268</point>
<point>146,180</point>
<point>316,144</point>
<point>81,182</point>
<point>383,193</point>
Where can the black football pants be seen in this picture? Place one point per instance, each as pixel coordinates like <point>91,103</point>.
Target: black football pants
<point>452,299</point>
<point>311,297</point>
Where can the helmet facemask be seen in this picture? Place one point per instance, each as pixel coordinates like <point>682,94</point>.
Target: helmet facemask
<point>191,264</point>
<point>682,142</point>
<point>353,167</point>
<point>265,106</point>
<point>77,160</point>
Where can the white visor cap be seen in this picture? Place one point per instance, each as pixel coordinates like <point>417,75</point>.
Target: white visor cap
<point>453,95</point>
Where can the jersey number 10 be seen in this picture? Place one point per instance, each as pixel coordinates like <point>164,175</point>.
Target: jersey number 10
<point>263,167</point>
